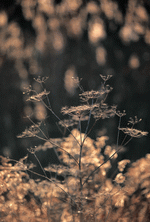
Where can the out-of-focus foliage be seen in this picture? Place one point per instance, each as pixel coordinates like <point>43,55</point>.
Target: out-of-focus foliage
<point>52,23</point>
<point>124,199</point>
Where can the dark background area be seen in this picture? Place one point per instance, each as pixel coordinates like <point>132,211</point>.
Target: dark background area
<point>82,38</point>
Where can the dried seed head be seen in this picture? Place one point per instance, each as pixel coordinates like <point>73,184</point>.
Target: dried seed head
<point>134,120</point>
<point>85,96</point>
<point>103,111</point>
<point>41,79</point>
<point>38,96</point>
<point>133,132</point>
<point>78,110</point>
<point>67,122</point>
<point>31,131</point>
<point>118,113</point>
<point>105,78</point>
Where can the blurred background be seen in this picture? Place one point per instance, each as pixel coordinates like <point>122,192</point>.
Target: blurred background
<point>62,39</point>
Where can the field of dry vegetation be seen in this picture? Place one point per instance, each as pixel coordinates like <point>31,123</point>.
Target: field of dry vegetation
<point>89,181</point>
<point>84,192</point>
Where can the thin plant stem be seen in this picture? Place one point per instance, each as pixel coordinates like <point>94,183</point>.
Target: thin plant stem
<point>49,140</point>
<point>118,131</point>
<point>128,141</point>
<point>59,120</point>
<point>90,129</point>
<point>39,163</point>
<point>101,165</point>
<point>38,128</point>
<point>57,146</point>
<point>50,109</point>
<point>126,137</point>
<point>46,97</point>
<point>80,156</point>
<point>88,123</point>
<point>45,177</point>
<point>47,101</point>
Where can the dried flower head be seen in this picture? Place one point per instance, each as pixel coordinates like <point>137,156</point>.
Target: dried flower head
<point>105,78</point>
<point>77,80</point>
<point>82,118</point>
<point>41,79</point>
<point>38,96</point>
<point>78,110</point>
<point>133,132</point>
<point>103,111</point>
<point>134,120</point>
<point>118,113</point>
<point>28,90</point>
<point>67,122</point>
<point>86,96</point>
<point>31,131</point>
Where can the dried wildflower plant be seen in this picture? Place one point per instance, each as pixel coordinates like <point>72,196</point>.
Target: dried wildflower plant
<point>85,193</point>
